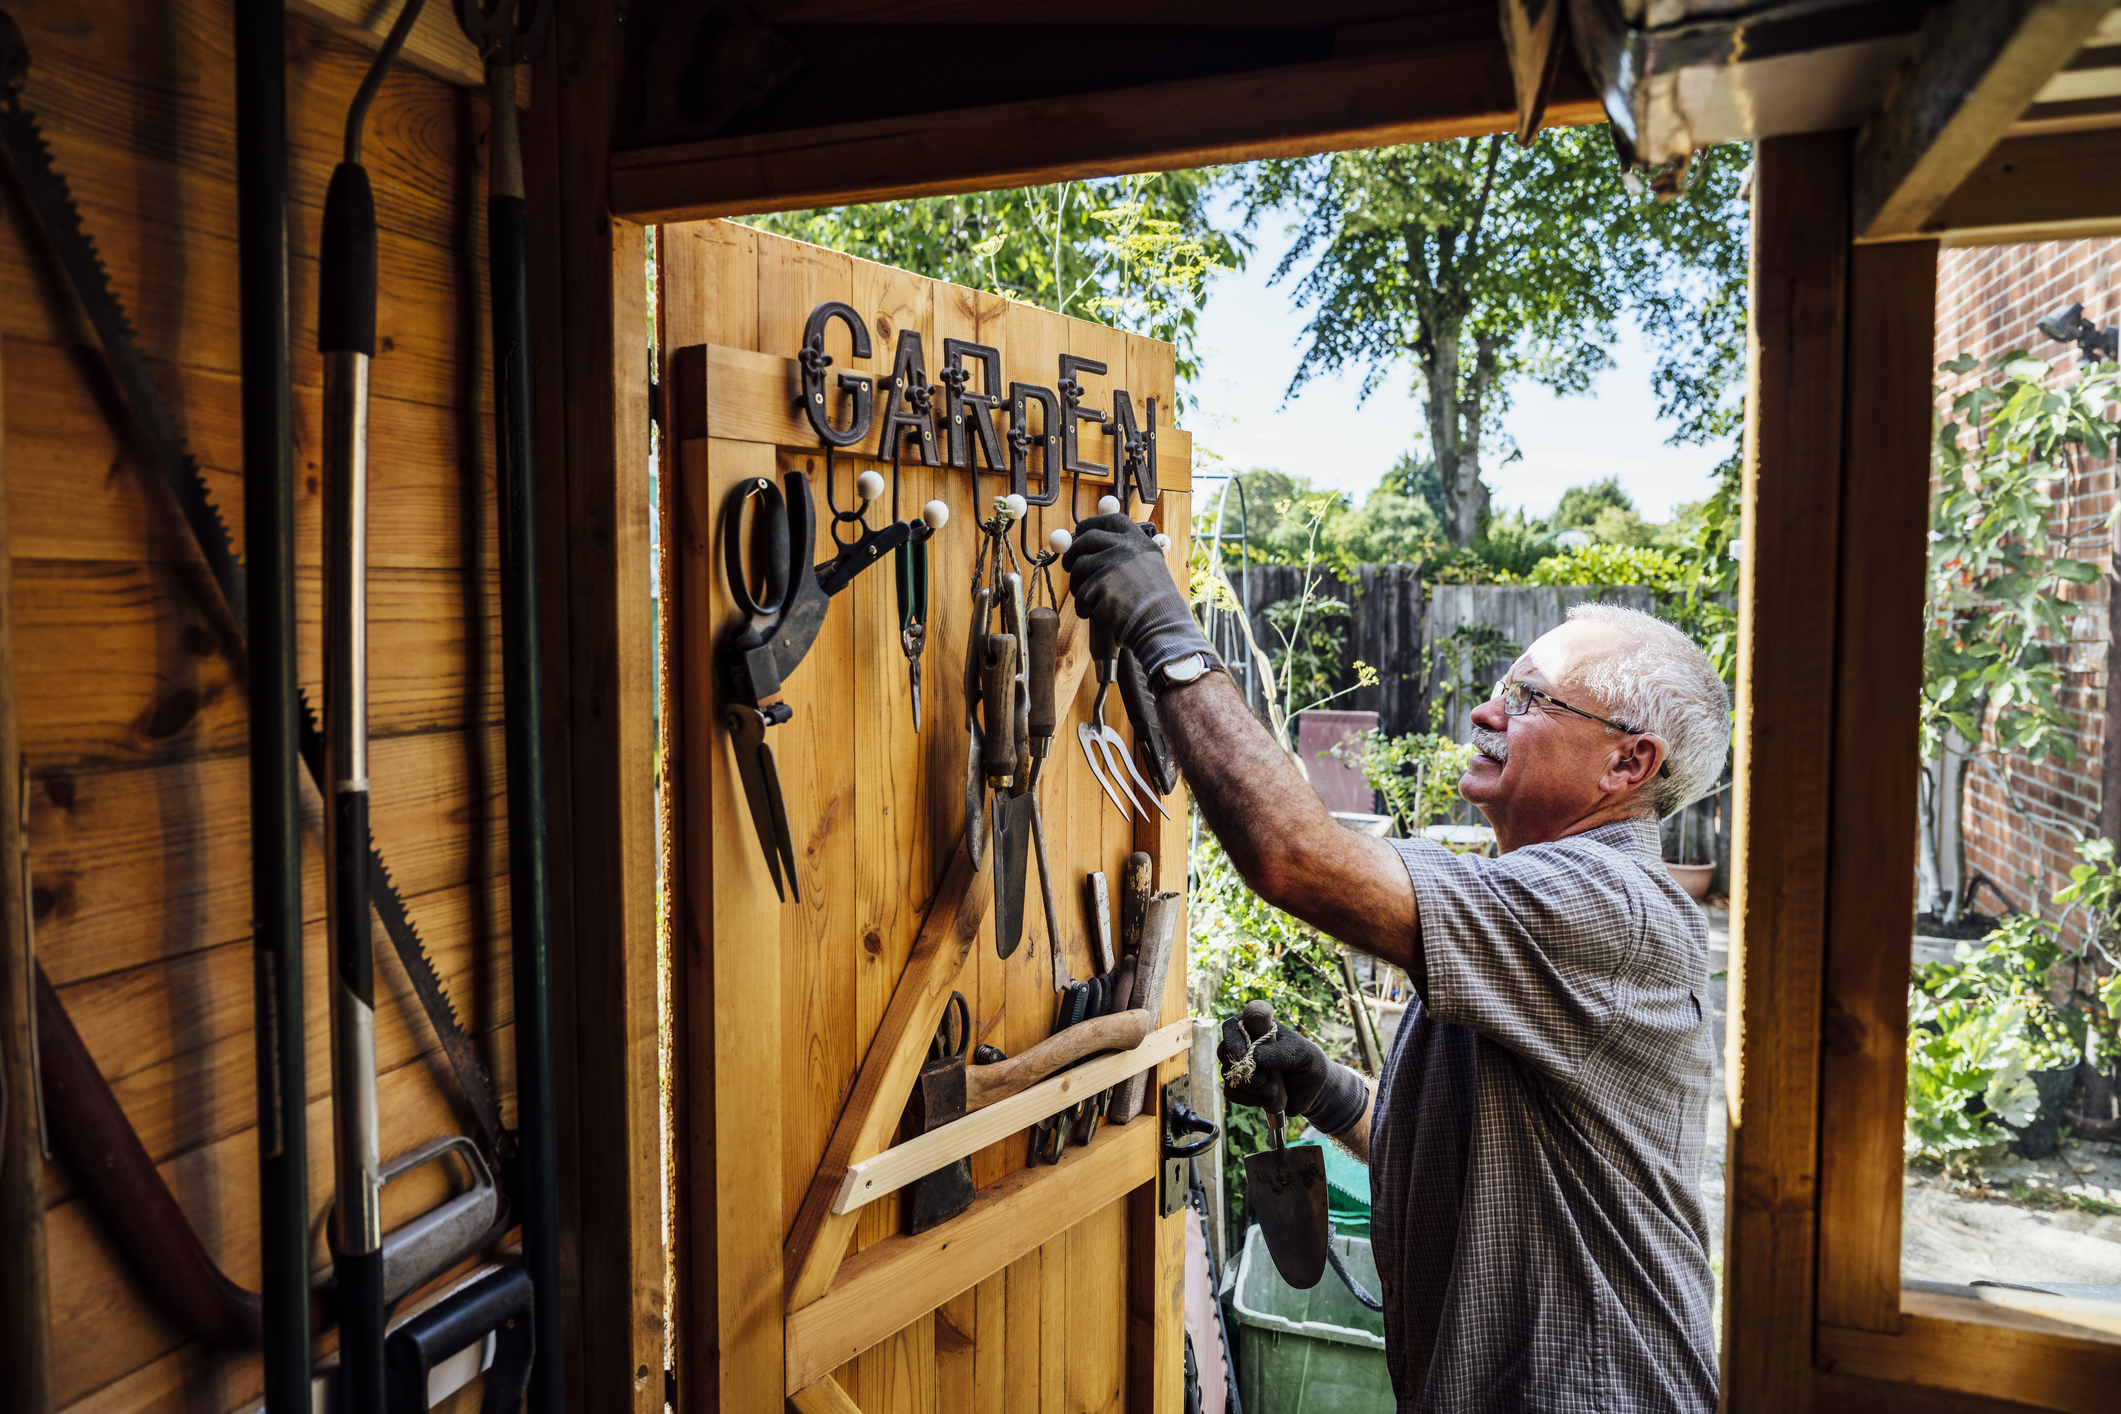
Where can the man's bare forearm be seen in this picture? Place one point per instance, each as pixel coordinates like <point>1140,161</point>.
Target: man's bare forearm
<point>1278,832</point>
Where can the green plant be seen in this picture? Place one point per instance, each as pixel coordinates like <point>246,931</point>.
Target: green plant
<point>1313,643</point>
<point>1605,565</point>
<point>1998,614</point>
<point>1960,1053</point>
<point>1417,774</point>
<point>1240,947</point>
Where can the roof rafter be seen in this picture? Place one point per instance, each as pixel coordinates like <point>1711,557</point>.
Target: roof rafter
<point>1977,65</point>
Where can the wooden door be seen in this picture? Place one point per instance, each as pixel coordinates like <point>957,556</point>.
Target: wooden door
<point>801,1023</point>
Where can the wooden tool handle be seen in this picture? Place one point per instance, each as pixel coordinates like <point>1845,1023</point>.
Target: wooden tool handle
<point>988,1084</point>
<point>1097,898</point>
<point>1134,881</point>
<point>1043,634</point>
<point>998,692</point>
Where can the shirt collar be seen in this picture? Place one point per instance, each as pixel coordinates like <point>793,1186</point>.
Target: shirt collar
<point>1637,836</point>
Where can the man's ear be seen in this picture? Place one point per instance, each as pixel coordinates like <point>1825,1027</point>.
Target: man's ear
<point>1633,765</point>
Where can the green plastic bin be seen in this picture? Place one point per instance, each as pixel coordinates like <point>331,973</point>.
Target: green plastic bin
<point>1347,1187</point>
<point>1308,1352</point>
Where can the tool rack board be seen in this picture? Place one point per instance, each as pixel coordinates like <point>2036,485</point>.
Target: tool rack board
<point>130,692</point>
<point>1059,1289</point>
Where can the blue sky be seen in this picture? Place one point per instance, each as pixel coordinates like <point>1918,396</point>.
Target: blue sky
<point>1251,337</point>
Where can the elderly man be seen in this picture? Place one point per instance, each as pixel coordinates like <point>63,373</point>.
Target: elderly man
<point>1535,1140</point>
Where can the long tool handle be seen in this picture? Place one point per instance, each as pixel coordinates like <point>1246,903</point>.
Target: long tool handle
<point>276,717</point>
<point>1135,881</point>
<point>1098,895</point>
<point>987,1084</point>
<point>1042,629</point>
<point>538,1181</point>
<point>346,333</point>
<point>998,690</point>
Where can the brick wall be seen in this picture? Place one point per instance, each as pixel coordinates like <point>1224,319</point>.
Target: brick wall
<point>1987,302</point>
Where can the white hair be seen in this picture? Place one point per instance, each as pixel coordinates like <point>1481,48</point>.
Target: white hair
<point>1655,679</point>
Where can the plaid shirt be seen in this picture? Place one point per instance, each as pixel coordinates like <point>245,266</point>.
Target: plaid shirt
<point>1536,1145</point>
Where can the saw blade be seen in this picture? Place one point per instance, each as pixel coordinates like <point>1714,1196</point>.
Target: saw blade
<point>67,239</point>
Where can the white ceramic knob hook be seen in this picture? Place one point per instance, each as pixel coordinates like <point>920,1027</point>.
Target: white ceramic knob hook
<point>936,514</point>
<point>1163,541</point>
<point>868,486</point>
<point>1060,540</point>
<point>1108,505</point>
<point>1016,504</point>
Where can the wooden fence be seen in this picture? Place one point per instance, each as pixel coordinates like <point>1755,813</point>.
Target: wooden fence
<point>1395,625</point>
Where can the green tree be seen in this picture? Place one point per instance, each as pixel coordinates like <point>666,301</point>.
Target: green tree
<point>1482,263</point>
<point>1581,505</point>
<point>1133,252</point>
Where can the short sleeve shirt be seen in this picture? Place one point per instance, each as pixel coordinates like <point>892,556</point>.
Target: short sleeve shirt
<point>1536,1146</point>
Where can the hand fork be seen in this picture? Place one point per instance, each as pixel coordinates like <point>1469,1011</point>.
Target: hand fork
<point>1117,763</point>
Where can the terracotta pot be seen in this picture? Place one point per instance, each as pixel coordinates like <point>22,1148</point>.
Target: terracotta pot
<point>1694,878</point>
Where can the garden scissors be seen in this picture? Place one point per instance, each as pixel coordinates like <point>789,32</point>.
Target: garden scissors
<point>777,591</point>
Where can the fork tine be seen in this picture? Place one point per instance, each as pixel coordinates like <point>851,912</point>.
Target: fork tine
<point>1126,756</point>
<point>1113,750</point>
<point>1090,743</point>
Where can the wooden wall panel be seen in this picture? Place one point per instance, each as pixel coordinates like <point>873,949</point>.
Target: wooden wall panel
<point>877,815</point>
<point>130,676</point>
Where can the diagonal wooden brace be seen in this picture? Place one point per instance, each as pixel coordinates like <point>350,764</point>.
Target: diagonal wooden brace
<point>817,1244</point>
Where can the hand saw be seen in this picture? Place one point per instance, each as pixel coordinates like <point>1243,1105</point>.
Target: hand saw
<point>51,202</point>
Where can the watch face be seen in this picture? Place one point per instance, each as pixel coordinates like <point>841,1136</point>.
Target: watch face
<point>1186,669</point>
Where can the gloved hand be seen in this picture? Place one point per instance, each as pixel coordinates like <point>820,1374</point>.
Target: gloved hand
<point>1289,1073</point>
<point>1120,579</point>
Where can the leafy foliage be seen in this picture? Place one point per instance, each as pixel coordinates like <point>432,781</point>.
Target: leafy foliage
<point>1959,1053</point>
<point>1134,252</point>
<point>1417,774</point>
<point>1582,505</point>
<point>1313,643</point>
<point>1481,263</point>
<point>1996,609</point>
<point>1603,564</point>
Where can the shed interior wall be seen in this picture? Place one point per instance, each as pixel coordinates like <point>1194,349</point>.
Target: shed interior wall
<point>129,673</point>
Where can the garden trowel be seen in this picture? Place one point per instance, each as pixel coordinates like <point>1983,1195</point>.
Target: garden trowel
<point>1286,1187</point>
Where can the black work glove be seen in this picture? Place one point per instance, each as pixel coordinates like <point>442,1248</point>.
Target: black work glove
<point>1120,580</point>
<point>1289,1073</point>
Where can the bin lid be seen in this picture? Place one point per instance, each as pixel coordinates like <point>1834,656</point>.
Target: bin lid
<point>1347,1185</point>
<point>1328,1311</point>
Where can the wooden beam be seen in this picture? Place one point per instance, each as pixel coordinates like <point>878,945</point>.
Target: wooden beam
<point>1367,101</point>
<point>589,304</point>
<point>25,1297</point>
<point>436,45</point>
<point>2056,187</point>
<point>1977,65</point>
<point>891,1283</point>
<point>899,1165</point>
<point>1786,659</point>
<point>824,1397</point>
<point>818,1241</point>
<point>1978,1348</point>
<point>1885,489</point>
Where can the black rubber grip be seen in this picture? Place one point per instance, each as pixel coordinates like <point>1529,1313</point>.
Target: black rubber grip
<point>997,690</point>
<point>346,276</point>
<point>1043,631</point>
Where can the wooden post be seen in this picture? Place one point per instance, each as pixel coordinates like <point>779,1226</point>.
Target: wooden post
<point>1885,494</point>
<point>593,448</point>
<point>1785,757</point>
<point>25,1314</point>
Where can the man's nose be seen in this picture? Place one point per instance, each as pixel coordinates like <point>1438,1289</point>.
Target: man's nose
<point>1489,714</point>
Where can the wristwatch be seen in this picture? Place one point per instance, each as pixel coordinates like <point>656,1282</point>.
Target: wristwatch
<point>1187,667</point>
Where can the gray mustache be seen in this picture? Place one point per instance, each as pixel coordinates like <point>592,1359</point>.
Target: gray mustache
<point>1493,744</point>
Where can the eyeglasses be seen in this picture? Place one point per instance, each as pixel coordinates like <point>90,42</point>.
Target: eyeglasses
<point>1516,699</point>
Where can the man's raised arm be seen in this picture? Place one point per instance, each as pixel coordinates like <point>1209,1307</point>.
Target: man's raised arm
<point>1269,819</point>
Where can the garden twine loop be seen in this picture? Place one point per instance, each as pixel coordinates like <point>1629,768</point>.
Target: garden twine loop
<point>1241,1069</point>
